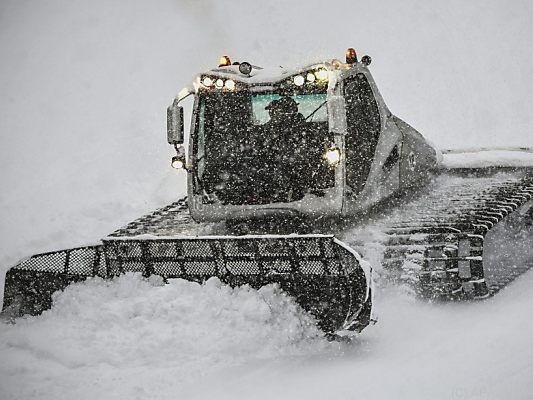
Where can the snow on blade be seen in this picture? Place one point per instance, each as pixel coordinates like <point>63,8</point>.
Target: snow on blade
<point>131,334</point>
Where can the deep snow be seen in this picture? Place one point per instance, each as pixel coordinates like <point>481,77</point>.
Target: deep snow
<point>416,351</point>
<point>133,337</point>
<point>136,339</point>
<point>83,150</point>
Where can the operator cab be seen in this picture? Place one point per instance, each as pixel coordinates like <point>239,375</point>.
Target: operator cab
<point>314,141</point>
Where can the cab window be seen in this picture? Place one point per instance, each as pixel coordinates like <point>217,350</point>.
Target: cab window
<point>363,130</point>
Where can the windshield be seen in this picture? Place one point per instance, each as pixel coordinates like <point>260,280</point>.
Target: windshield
<point>307,104</point>
<point>261,148</point>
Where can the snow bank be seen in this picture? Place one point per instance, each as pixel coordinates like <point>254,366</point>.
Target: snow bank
<point>131,336</point>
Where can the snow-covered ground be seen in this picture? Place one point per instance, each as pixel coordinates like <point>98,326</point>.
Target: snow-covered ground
<point>82,126</point>
<point>132,339</point>
<point>137,339</point>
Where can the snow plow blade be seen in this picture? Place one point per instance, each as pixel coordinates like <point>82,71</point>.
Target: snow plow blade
<point>30,284</point>
<point>325,277</point>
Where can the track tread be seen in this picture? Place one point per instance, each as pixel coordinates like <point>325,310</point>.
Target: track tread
<point>436,241</point>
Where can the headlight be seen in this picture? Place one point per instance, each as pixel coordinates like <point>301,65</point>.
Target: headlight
<point>178,162</point>
<point>219,83</point>
<point>229,84</point>
<point>322,74</point>
<point>207,81</point>
<point>299,80</point>
<point>332,156</point>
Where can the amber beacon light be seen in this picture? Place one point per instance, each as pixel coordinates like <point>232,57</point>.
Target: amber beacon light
<point>351,56</point>
<point>224,61</point>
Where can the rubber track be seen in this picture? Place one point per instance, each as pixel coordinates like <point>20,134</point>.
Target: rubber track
<point>436,241</point>
<point>171,220</point>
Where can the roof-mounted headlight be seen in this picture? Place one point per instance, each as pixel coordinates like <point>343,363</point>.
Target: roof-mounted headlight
<point>321,74</point>
<point>298,80</point>
<point>229,84</point>
<point>207,81</point>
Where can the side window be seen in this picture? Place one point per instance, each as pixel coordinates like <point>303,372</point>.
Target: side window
<point>364,127</point>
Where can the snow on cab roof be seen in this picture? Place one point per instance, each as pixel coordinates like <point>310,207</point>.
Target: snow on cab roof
<point>267,74</point>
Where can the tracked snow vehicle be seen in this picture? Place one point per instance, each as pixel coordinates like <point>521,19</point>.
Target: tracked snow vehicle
<point>273,157</point>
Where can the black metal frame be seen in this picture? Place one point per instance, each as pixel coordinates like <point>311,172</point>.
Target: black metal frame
<point>322,275</point>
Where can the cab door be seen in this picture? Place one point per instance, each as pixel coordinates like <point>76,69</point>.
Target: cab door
<point>373,146</point>
<point>363,130</point>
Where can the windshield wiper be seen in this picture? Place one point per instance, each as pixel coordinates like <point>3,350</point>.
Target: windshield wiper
<point>315,111</point>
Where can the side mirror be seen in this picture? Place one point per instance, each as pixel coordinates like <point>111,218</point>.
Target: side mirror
<point>175,123</point>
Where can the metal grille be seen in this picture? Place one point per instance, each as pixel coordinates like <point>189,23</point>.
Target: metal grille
<point>175,258</point>
<point>322,275</point>
<point>77,261</point>
<point>30,284</point>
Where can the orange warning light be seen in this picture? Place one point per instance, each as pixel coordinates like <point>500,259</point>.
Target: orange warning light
<point>224,61</point>
<point>351,56</point>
